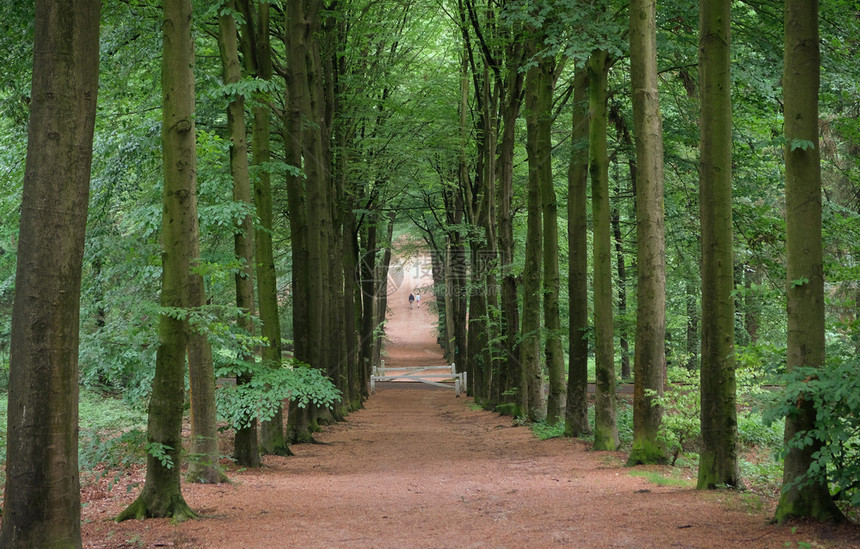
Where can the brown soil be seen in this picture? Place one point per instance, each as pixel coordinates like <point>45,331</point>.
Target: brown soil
<point>418,467</point>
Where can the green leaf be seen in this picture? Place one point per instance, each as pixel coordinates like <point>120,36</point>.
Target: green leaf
<point>802,144</point>
<point>799,282</point>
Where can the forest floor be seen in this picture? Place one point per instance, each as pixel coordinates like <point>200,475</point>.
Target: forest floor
<point>418,467</point>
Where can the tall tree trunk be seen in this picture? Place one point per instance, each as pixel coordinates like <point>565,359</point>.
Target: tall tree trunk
<point>203,459</point>
<point>382,269</point>
<point>576,410</point>
<point>752,303</point>
<point>649,361</point>
<point>258,60</point>
<point>621,269</point>
<point>455,211</point>
<point>42,506</point>
<point>296,199</point>
<point>162,494</point>
<point>272,439</point>
<point>718,463</point>
<point>605,426</point>
<point>691,299</point>
<point>247,451</point>
<point>368,290</point>
<point>805,272</point>
<point>531,401</point>
<point>551,278</point>
<point>510,316</point>
<point>352,394</point>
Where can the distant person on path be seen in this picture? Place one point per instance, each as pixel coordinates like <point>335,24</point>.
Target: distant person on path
<point>418,299</point>
<point>412,300</point>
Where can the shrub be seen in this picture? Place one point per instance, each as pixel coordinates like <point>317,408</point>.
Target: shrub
<point>268,388</point>
<point>835,391</point>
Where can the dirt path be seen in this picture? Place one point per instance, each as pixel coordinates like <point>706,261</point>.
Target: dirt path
<point>420,468</point>
<point>411,332</point>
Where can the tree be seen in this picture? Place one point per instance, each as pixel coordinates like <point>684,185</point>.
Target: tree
<point>162,493</point>
<point>718,461</point>
<point>531,376</point>
<point>258,60</point>
<point>805,273</point>
<point>551,277</point>
<point>246,445</point>
<point>42,506</point>
<point>576,411</point>
<point>605,426</point>
<point>650,358</point>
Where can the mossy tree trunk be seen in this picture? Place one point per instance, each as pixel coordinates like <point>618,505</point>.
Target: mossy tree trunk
<point>621,291</point>
<point>605,425</point>
<point>203,465</point>
<point>551,279</point>
<point>805,273</point>
<point>718,463</point>
<point>531,399</point>
<point>576,411</point>
<point>162,493</point>
<point>42,505</point>
<point>649,360</point>
<point>258,59</point>
<point>509,306</point>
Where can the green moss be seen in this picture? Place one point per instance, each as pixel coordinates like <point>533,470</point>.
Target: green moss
<point>659,479</point>
<point>606,439</point>
<point>645,452</point>
<point>508,409</point>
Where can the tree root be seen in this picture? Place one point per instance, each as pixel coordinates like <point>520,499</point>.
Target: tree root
<point>172,507</point>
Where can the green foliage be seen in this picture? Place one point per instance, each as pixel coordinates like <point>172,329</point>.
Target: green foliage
<point>111,432</point>
<point>623,418</point>
<point>680,431</point>
<point>753,430</point>
<point>660,479</point>
<point>758,364</point>
<point>268,388</point>
<point>544,431</point>
<point>161,452</point>
<point>763,475</point>
<point>835,391</point>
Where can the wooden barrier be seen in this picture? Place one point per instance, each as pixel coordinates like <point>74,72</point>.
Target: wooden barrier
<point>420,374</point>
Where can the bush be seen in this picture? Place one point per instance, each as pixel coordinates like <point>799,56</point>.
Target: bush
<point>112,433</point>
<point>753,430</point>
<point>681,430</point>
<point>835,391</point>
<point>268,388</point>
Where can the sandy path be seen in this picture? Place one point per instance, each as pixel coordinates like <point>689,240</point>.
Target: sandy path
<point>410,333</point>
<point>419,468</point>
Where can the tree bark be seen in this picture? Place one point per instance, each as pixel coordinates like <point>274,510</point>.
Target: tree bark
<point>510,316</point>
<point>551,277</point>
<point>805,272</point>
<point>649,359</point>
<point>162,493</point>
<point>42,506</point>
<point>621,269</point>
<point>576,411</point>
<point>605,426</point>
<point>718,464</point>
<point>531,376</point>
<point>272,438</point>
<point>367,268</point>
<point>204,427</point>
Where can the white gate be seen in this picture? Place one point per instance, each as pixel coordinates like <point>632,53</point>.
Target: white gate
<point>422,374</point>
